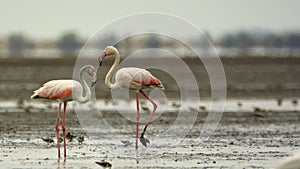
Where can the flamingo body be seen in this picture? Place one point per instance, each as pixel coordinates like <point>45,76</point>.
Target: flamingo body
<point>136,78</point>
<point>60,90</point>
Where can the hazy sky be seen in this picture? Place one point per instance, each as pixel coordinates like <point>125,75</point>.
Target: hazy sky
<point>49,19</point>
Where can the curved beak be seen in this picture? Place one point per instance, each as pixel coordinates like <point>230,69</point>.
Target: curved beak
<point>101,57</point>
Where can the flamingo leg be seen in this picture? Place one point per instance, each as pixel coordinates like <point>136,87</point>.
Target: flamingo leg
<point>137,119</point>
<point>144,141</point>
<point>63,126</point>
<point>57,129</point>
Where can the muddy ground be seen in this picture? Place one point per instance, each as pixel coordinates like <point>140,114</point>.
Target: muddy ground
<point>241,140</point>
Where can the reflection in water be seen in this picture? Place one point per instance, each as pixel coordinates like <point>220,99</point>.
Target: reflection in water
<point>58,164</point>
<point>137,158</point>
<point>232,105</point>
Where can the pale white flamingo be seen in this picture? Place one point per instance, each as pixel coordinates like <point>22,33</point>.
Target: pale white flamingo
<point>64,91</point>
<point>134,79</point>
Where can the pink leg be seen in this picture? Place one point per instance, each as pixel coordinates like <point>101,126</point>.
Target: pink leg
<point>151,115</point>
<point>137,119</point>
<point>57,129</point>
<point>63,126</point>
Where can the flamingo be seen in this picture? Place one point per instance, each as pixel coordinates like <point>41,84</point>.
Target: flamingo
<point>63,91</point>
<point>134,79</point>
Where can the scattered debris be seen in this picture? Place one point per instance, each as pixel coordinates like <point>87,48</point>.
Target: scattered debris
<point>70,136</point>
<point>48,140</point>
<point>126,142</point>
<point>257,115</point>
<point>279,102</point>
<point>257,109</point>
<point>80,139</point>
<point>104,164</point>
<point>239,104</point>
<point>202,107</point>
<point>294,102</point>
<point>176,105</point>
<point>145,108</point>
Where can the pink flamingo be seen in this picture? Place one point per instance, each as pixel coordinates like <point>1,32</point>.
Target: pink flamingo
<point>135,79</point>
<point>64,91</point>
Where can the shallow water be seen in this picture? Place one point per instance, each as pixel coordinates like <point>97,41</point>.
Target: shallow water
<point>231,105</point>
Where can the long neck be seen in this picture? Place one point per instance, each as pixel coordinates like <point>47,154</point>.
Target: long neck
<point>112,70</point>
<point>86,89</point>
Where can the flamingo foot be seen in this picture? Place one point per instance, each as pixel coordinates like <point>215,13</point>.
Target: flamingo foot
<point>144,141</point>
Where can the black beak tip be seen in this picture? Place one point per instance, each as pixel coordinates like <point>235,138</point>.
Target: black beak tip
<point>100,63</point>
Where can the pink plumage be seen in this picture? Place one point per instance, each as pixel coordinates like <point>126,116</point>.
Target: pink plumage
<point>136,79</point>
<point>56,89</point>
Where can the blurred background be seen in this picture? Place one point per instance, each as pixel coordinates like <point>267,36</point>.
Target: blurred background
<point>257,41</point>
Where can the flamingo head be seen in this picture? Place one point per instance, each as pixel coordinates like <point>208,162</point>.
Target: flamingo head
<point>109,50</point>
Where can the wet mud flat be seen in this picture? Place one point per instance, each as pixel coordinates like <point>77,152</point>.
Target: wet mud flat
<point>241,140</point>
